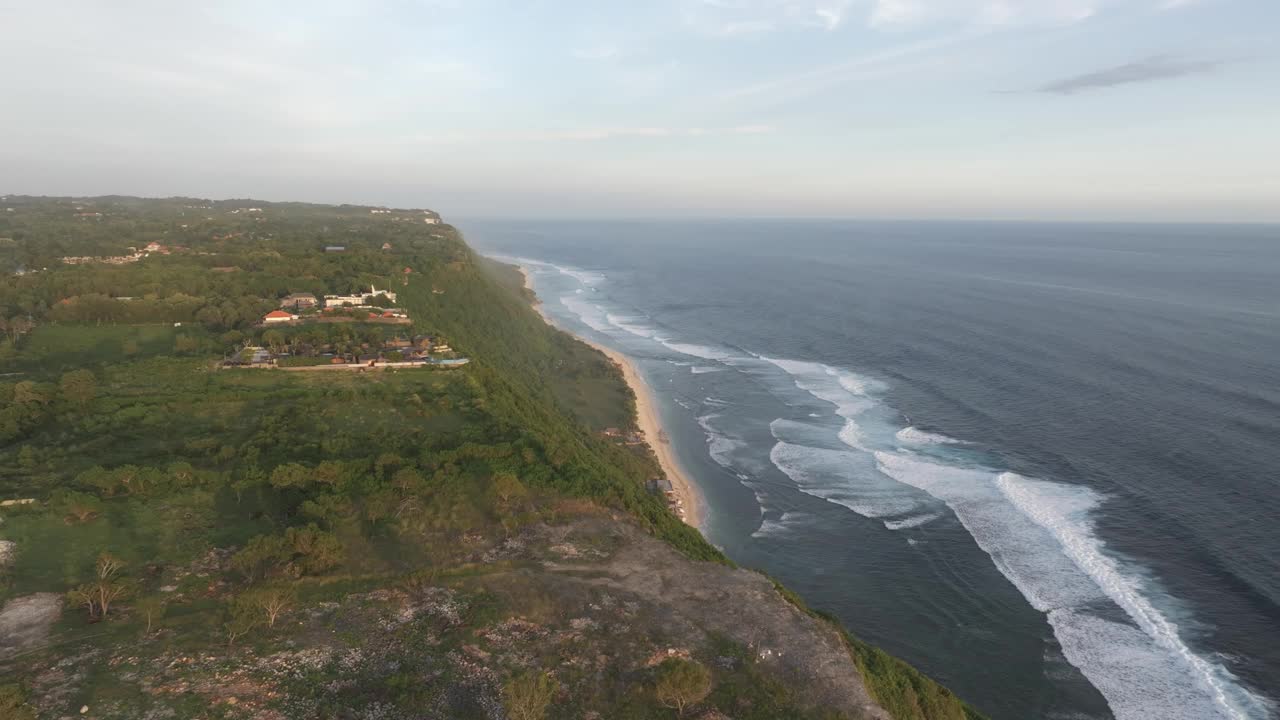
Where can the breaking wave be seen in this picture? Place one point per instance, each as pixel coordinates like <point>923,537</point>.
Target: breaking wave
<point>781,525</point>
<point>699,351</point>
<point>842,477</point>
<point>915,436</point>
<point>592,316</point>
<point>1040,536</point>
<point>911,522</point>
<point>634,325</point>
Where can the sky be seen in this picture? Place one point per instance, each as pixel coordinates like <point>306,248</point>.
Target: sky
<point>1164,110</point>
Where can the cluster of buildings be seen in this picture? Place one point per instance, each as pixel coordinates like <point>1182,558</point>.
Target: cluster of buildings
<point>132,257</point>
<point>399,352</point>
<point>357,300</point>
<point>298,307</point>
<point>430,219</point>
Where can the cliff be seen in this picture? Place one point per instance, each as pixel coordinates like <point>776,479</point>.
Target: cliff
<point>212,541</point>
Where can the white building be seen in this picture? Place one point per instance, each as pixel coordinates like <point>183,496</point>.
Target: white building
<point>340,300</point>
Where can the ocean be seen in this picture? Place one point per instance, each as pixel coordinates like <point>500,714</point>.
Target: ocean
<point>1041,462</point>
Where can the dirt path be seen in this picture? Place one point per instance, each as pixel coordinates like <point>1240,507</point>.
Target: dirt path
<point>25,622</point>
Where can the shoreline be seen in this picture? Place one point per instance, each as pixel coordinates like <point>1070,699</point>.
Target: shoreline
<point>689,505</point>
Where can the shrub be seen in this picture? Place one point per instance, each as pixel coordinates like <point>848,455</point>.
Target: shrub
<point>682,683</point>
<point>527,695</point>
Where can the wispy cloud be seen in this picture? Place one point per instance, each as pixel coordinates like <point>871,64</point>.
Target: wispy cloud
<point>889,14</point>
<point>597,53</point>
<point>749,17</point>
<point>1151,69</point>
<point>592,134</point>
<point>816,79</point>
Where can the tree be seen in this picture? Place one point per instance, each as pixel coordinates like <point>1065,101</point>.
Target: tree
<point>527,695</point>
<point>507,490</point>
<point>76,506</point>
<point>314,549</point>
<point>239,618</point>
<point>79,387</point>
<point>291,475</point>
<point>260,556</point>
<point>274,339</point>
<point>15,327</point>
<point>181,474</point>
<point>28,393</point>
<point>273,601</point>
<point>151,609</point>
<point>28,457</point>
<point>98,595</point>
<point>682,683</point>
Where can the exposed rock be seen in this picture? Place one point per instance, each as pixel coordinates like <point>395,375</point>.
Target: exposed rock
<point>736,603</point>
<point>25,622</point>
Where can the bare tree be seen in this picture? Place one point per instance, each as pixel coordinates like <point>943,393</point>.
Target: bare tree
<point>106,588</point>
<point>151,609</point>
<point>274,602</point>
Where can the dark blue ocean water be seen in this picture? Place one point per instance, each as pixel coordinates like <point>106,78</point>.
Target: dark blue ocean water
<point>1041,462</point>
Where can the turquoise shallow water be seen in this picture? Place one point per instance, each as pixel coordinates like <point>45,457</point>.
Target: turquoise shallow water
<point>1035,460</point>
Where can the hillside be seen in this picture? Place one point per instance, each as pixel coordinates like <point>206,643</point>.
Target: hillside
<point>212,512</point>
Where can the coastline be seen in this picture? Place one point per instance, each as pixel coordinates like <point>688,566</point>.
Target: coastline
<point>688,503</point>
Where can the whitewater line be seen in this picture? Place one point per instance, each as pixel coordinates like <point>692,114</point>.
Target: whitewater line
<point>1124,592</point>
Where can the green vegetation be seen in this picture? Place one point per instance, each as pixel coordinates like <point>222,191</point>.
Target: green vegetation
<point>527,695</point>
<point>682,683</point>
<point>903,690</point>
<point>369,537</point>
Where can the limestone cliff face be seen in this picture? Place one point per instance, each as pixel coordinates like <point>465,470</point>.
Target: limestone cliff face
<point>698,599</point>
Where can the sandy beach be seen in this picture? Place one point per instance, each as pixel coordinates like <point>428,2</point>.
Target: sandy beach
<point>688,502</point>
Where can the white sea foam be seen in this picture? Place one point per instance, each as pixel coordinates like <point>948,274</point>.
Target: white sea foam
<point>1039,535</point>
<point>843,477</point>
<point>632,324</point>
<point>586,277</point>
<point>703,369</point>
<point>911,522</point>
<point>917,437</point>
<point>588,313</point>
<point>705,352</point>
<point>844,390</point>
<point>782,525</point>
<point>1073,529</point>
<point>719,445</point>
<point>851,435</point>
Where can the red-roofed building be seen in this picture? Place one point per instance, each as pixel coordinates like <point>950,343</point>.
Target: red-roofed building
<point>278,316</point>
